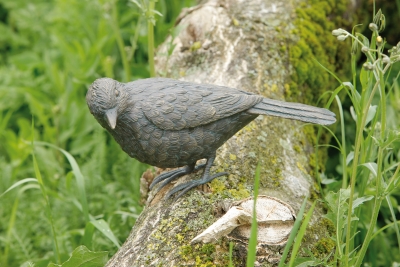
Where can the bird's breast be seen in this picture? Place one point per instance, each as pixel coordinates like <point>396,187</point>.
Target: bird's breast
<point>150,144</point>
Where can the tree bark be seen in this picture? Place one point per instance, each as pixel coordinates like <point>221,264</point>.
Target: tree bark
<point>265,47</point>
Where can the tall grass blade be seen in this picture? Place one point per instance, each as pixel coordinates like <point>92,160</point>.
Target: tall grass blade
<point>120,42</point>
<point>396,227</point>
<point>21,182</point>
<point>11,221</point>
<point>343,143</point>
<point>230,254</point>
<point>293,233</point>
<point>252,249</point>
<point>104,228</point>
<point>301,233</point>
<point>48,207</point>
<point>150,37</point>
<point>80,180</point>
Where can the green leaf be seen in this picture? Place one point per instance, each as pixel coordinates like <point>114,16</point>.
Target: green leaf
<point>349,157</point>
<point>306,262</point>
<point>338,208</point>
<point>364,78</point>
<point>327,181</point>
<point>138,5</point>
<point>379,19</point>
<point>393,136</point>
<point>103,227</point>
<point>87,239</point>
<point>358,201</point>
<point>156,12</point>
<point>353,113</point>
<point>372,166</point>
<point>356,95</point>
<point>363,39</point>
<point>83,257</point>
<point>23,181</point>
<point>371,114</point>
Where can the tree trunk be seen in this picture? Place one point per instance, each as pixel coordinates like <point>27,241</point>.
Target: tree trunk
<point>265,47</point>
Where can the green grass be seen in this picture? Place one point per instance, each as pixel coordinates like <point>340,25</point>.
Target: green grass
<point>369,166</point>
<point>86,189</point>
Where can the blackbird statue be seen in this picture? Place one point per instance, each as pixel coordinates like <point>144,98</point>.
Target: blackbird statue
<point>169,123</point>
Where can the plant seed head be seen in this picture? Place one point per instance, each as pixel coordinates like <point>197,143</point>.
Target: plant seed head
<point>373,27</point>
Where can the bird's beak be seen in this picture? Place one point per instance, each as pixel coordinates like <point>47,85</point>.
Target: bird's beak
<point>111,115</point>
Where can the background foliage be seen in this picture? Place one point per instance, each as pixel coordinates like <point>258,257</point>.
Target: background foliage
<point>50,52</point>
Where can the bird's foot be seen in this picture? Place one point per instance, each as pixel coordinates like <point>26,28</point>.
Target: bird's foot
<point>167,177</point>
<point>191,184</point>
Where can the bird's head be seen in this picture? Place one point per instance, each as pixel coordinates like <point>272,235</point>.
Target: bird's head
<point>105,99</point>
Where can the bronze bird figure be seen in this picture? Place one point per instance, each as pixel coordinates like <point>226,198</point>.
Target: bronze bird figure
<point>169,123</point>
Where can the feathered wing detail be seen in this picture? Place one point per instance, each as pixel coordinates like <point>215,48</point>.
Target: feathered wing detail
<point>176,105</point>
<point>294,111</point>
<point>188,105</point>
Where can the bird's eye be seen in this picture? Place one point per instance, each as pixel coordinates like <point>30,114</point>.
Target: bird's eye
<point>116,92</point>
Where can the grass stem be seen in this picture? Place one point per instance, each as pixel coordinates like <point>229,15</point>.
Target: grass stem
<point>150,38</point>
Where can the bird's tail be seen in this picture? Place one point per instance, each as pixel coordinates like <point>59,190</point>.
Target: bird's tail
<point>294,111</point>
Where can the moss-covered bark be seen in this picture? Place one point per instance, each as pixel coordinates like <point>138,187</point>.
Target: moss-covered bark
<point>266,47</point>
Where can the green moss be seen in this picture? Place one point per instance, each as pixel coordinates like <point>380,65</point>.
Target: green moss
<point>217,186</point>
<point>195,46</point>
<point>301,167</point>
<point>309,80</point>
<point>297,148</point>
<point>324,229</point>
<point>328,224</point>
<point>185,252</point>
<point>208,249</point>
<point>313,163</point>
<point>180,237</point>
<point>274,88</point>
<point>199,263</point>
<point>323,247</point>
<point>200,255</point>
<point>240,192</point>
<point>288,92</point>
<point>179,227</point>
<point>232,157</point>
<point>314,193</point>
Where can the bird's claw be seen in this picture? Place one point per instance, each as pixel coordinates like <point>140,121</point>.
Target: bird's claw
<point>169,176</point>
<point>166,175</point>
<point>191,184</point>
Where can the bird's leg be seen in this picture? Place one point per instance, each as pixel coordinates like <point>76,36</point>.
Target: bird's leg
<point>191,184</point>
<point>167,177</point>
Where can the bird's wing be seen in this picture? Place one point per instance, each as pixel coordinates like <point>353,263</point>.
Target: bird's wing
<point>175,105</point>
